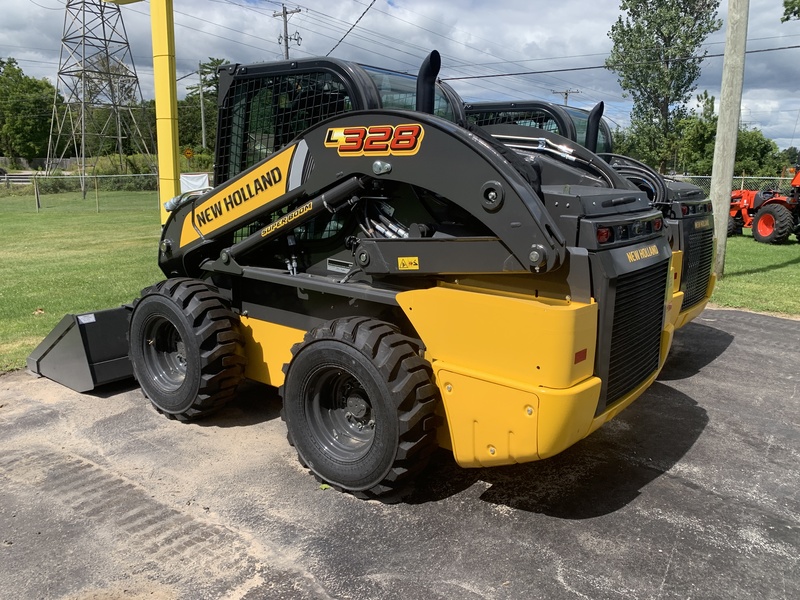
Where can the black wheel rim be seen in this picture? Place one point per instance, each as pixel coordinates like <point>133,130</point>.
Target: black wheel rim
<point>164,353</point>
<point>339,413</point>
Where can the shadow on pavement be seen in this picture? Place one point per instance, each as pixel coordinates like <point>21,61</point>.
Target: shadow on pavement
<point>254,403</point>
<point>694,347</point>
<point>109,390</point>
<point>599,475</point>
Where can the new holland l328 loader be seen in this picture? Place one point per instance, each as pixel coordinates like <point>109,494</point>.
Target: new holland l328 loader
<point>405,281</point>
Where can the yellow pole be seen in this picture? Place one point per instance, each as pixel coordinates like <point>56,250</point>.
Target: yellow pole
<point>162,26</point>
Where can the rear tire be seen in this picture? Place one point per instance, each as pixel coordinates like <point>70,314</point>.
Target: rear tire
<point>773,224</point>
<point>359,406</point>
<point>185,347</point>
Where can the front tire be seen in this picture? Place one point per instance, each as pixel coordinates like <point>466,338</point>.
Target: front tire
<point>185,347</point>
<point>773,224</point>
<point>734,227</point>
<point>359,406</point>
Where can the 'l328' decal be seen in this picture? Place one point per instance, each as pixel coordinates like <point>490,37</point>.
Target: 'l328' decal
<point>376,140</point>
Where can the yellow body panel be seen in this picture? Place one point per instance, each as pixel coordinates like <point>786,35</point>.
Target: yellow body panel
<point>566,415</point>
<point>512,383</point>
<point>524,340</point>
<point>268,347</point>
<point>675,299</point>
<point>489,423</point>
<point>517,379</point>
<point>677,270</point>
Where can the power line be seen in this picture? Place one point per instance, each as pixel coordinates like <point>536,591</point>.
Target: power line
<point>351,29</point>
<point>570,69</point>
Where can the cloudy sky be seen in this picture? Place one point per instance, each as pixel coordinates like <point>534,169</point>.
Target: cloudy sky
<point>475,37</point>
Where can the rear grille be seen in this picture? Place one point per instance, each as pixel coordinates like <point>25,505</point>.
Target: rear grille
<point>699,253</point>
<point>636,332</point>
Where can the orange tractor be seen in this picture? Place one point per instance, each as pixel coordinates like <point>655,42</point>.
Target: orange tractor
<point>772,216</point>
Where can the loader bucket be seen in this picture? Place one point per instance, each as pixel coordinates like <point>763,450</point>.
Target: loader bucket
<point>85,351</point>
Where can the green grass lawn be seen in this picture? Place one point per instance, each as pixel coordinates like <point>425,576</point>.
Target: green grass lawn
<point>760,277</point>
<point>70,258</point>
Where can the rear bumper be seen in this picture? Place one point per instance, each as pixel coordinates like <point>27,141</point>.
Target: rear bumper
<point>492,424</point>
<point>517,384</point>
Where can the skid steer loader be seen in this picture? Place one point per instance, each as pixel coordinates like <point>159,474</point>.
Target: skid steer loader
<point>405,281</point>
<point>685,207</point>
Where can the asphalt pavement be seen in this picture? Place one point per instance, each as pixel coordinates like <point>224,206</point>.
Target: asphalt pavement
<point>692,492</point>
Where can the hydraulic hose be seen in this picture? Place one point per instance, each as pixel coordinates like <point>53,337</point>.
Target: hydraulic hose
<point>642,176</point>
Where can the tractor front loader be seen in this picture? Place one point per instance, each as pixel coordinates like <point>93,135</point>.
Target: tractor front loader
<point>404,281</point>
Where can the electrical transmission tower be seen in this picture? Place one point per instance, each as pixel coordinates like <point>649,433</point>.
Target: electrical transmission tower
<point>99,98</point>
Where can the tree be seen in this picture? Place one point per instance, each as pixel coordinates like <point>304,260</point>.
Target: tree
<point>208,78</point>
<point>192,113</point>
<point>790,156</point>
<point>756,155</point>
<point>791,10</point>
<point>657,59</point>
<point>699,136</point>
<point>26,105</point>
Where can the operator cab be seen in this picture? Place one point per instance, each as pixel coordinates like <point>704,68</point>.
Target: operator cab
<point>264,107</point>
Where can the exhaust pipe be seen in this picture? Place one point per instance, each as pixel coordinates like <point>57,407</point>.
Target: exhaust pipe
<point>426,82</point>
<point>593,127</point>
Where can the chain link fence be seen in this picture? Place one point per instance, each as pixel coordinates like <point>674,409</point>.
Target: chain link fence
<point>26,183</point>
<point>35,183</point>
<point>781,184</point>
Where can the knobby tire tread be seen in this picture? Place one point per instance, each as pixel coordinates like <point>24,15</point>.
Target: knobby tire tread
<point>415,397</point>
<point>215,327</point>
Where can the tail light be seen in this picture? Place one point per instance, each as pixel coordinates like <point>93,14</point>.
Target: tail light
<point>604,235</point>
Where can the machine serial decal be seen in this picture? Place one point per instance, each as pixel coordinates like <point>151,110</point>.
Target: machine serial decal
<point>286,219</point>
<point>642,253</point>
<point>408,263</point>
<point>376,140</point>
<point>249,192</point>
<point>702,224</point>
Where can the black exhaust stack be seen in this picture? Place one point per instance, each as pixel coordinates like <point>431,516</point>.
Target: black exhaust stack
<point>593,127</point>
<point>426,82</point>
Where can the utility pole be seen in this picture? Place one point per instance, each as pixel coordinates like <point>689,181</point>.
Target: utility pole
<point>285,37</point>
<point>730,103</point>
<point>202,107</point>
<point>566,94</point>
